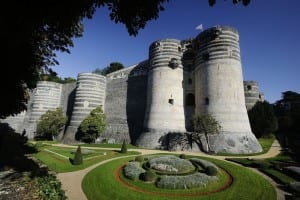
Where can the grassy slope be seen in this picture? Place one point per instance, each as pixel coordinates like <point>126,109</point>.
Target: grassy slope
<point>101,184</point>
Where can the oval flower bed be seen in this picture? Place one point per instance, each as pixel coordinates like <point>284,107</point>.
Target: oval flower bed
<point>172,172</point>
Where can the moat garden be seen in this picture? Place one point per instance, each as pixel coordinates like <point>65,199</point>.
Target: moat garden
<point>108,173</point>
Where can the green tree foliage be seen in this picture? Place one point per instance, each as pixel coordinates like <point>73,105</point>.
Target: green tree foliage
<point>288,112</point>
<point>51,123</point>
<point>124,147</point>
<point>91,127</point>
<point>207,125</point>
<point>34,30</point>
<point>77,160</point>
<point>114,66</point>
<point>262,119</point>
<point>52,76</point>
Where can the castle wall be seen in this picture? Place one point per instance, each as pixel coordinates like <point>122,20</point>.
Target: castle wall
<point>164,110</point>
<point>125,103</point>
<point>89,93</point>
<point>219,90</point>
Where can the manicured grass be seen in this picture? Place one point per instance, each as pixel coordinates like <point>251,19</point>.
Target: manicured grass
<point>265,143</point>
<point>100,183</point>
<point>268,167</point>
<point>129,146</point>
<point>60,164</point>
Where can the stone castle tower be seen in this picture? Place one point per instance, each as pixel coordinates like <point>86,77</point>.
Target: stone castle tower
<point>159,96</point>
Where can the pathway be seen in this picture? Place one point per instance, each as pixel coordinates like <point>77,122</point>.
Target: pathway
<point>71,181</point>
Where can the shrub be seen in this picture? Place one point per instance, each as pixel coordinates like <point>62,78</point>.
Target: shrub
<point>148,176</point>
<point>51,124</point>
<point>185,182</point>
<point>211,171</point>
<point>133,170</point>
<point>91,127</point>
<point>182,156</point>
<point>78,157</point>
<point>139,158</point>
<point>50,188</point>
<point>124,147</point>
<point>171,164</point>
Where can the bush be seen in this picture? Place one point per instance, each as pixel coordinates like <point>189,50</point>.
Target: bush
<point>171,164</point>
<point>182,156</point>
<point>185,182</point>
<point>91,127</point>
<point>50,188</point>
<point>148,176</point>
<point>211,171</point>
<point>51,124</point>
<point>124,147</point>
<point>78,157</point>
<point>133,170</point>
<point>139,158</point>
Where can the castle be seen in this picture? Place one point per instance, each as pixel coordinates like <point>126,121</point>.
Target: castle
<point>145,102</point>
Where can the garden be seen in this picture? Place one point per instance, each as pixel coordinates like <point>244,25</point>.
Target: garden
<point>180,177</point>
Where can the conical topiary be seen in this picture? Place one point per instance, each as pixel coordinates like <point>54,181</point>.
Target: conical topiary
<point>124,148</point>
<point>78,157</point>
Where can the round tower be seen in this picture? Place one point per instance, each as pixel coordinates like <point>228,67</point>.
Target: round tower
<point>89,93</point>
<point>164,110</point>
<point>251,93</point>
<point>219,89</point>
<point>47,96</point>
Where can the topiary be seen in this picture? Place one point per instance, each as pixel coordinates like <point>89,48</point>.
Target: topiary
<point>78,157</point>
<point>124,147</point>
<point>148,176</point>
<point>139,158</point>
<point>211,171</point>
<point>182,156</point>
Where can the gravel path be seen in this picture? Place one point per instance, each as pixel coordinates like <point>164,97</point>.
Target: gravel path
<point>71,181</point>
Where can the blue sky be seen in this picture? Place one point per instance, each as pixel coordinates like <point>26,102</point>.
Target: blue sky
<point>269,39</point>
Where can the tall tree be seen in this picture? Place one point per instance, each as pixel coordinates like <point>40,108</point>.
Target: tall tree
<point>288,112</point>
<point>262,119</point>
<point>33,30</point>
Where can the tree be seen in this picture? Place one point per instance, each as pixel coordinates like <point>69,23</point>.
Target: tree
<point>288,112</point>
<point>262,119</point>
<point>34,30</point>
<point>207,125</point>
<point>114,66</point>
<point>245,2</point>
<point>91,127</point>
<point>51,123</point>
<point>124,147</point>
<point>77,160</point>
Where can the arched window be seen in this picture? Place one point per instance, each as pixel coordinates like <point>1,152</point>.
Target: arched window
<point>190,100</point>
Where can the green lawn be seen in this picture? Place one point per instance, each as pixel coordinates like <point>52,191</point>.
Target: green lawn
<point>270,166</point>
<point>129,146</point>
<point>100,183</point>
<point>61,163</point>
